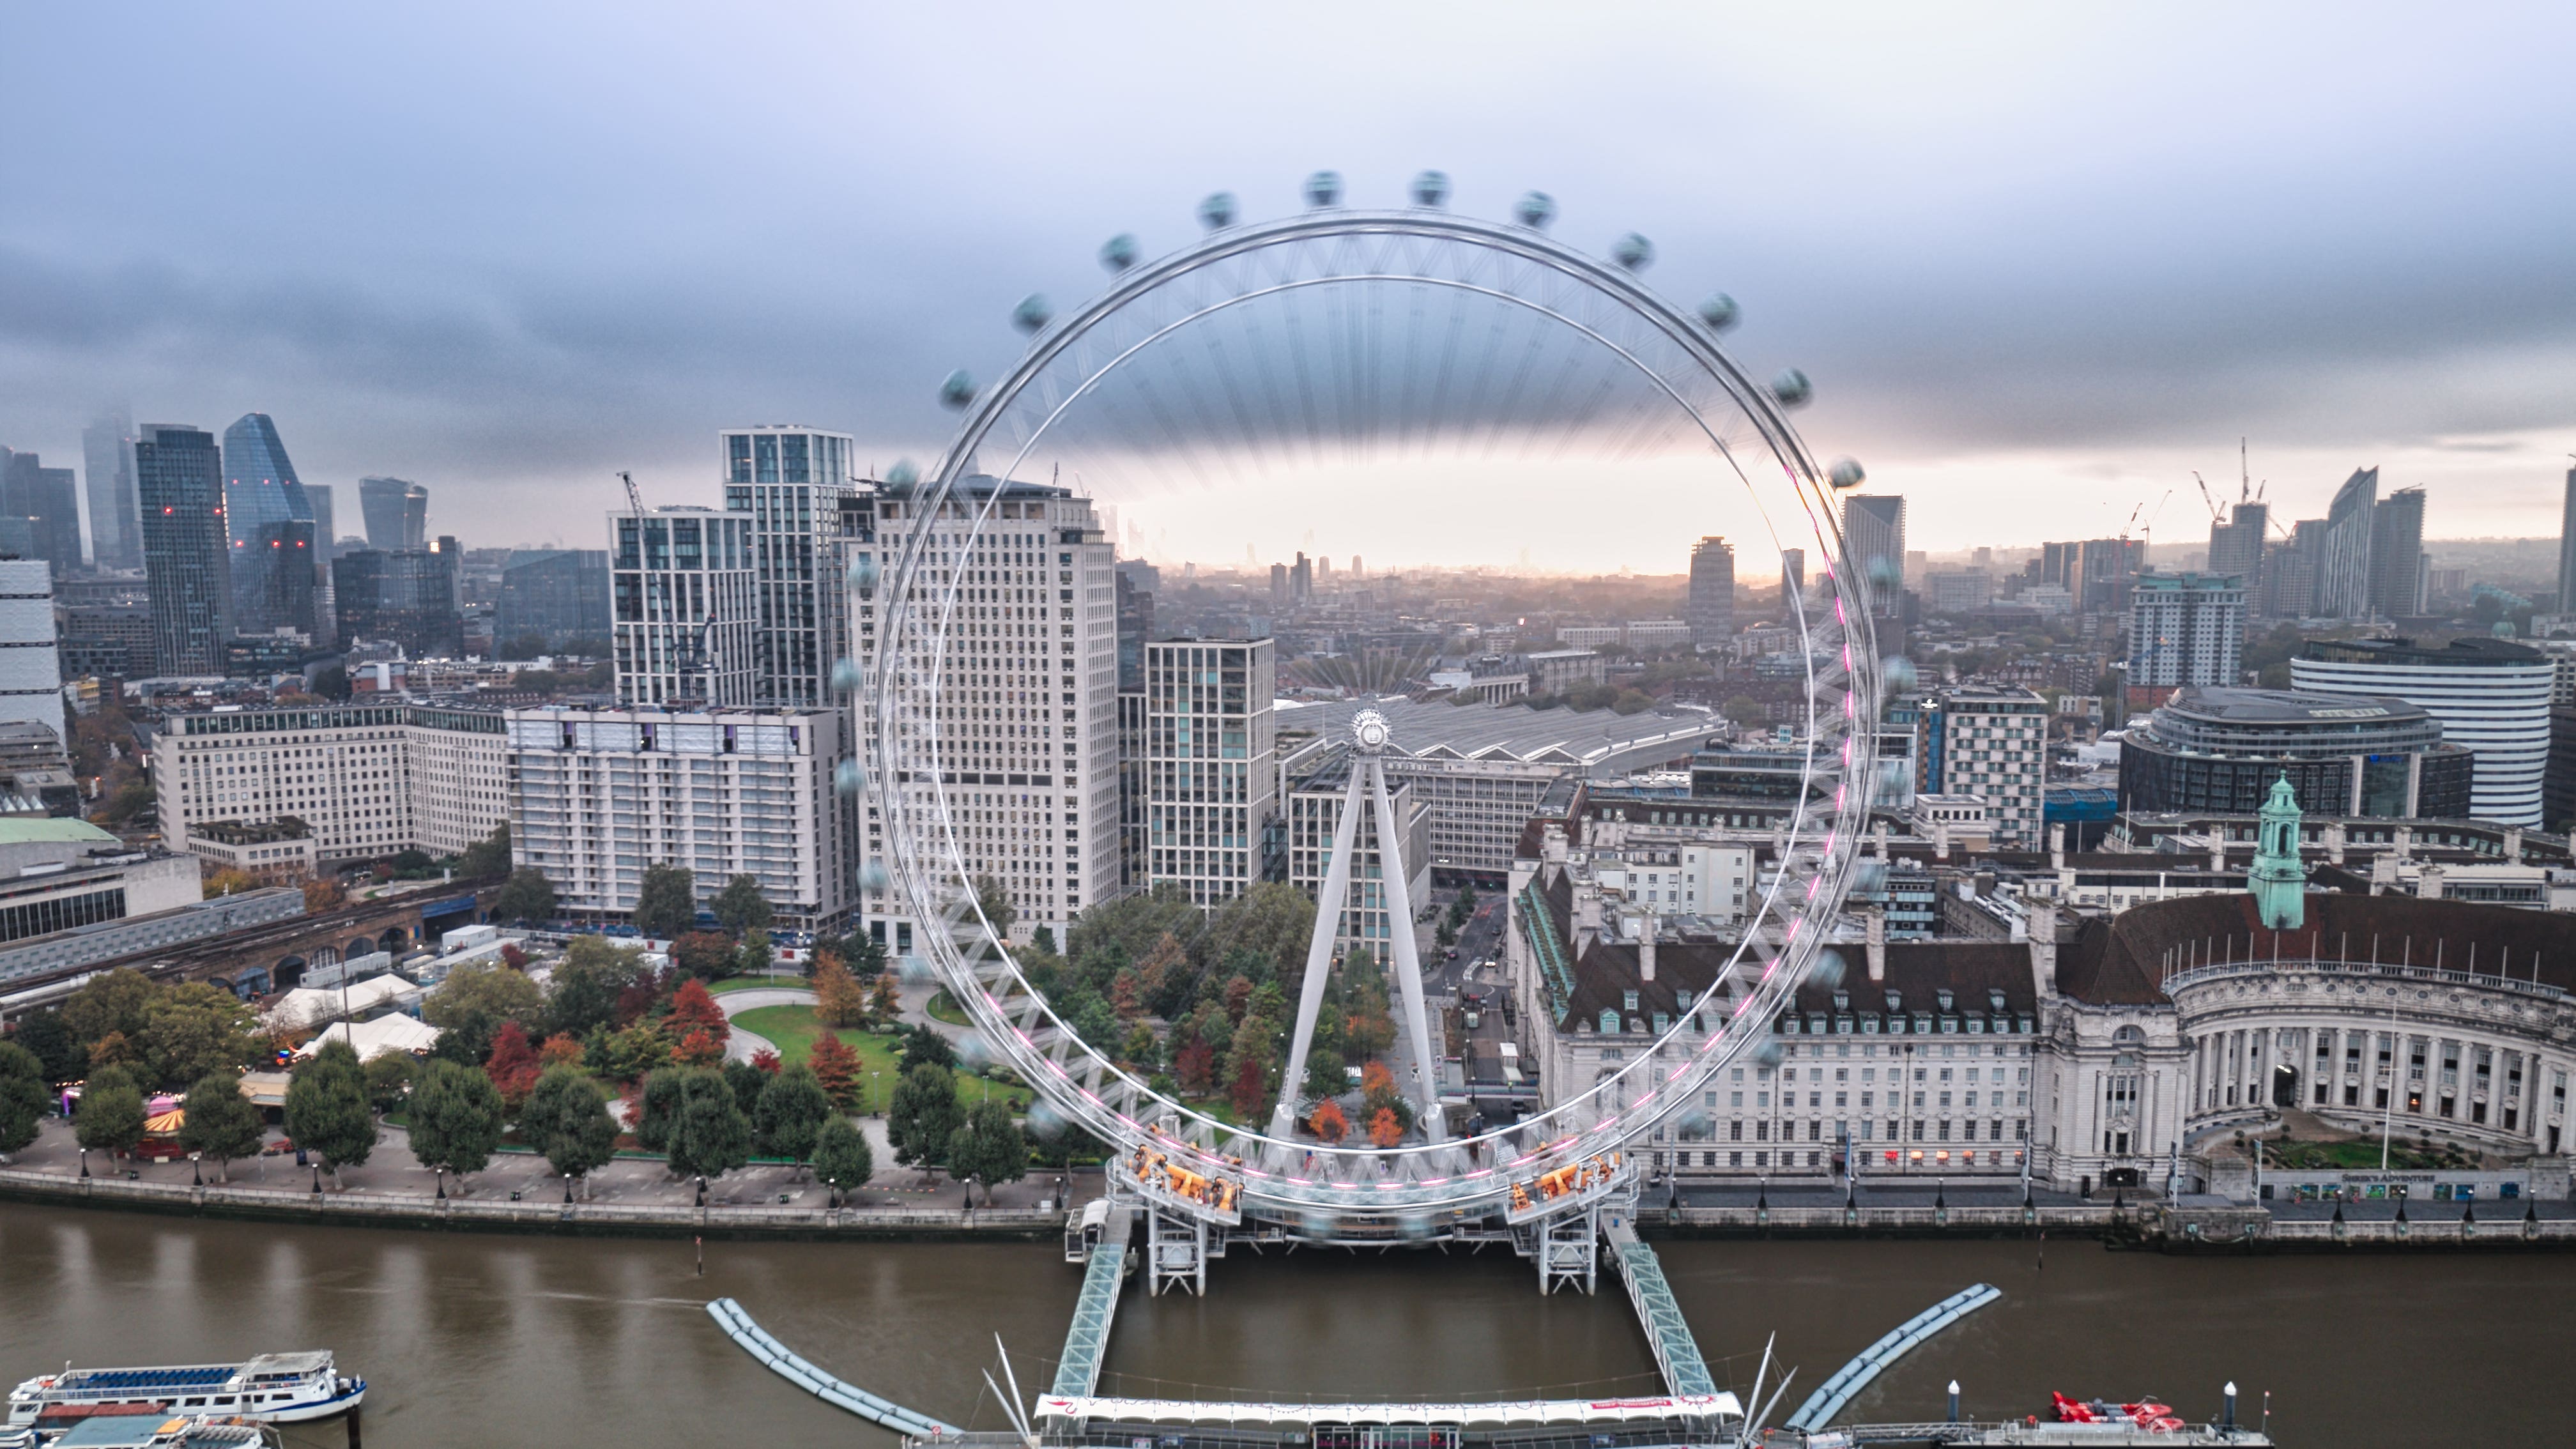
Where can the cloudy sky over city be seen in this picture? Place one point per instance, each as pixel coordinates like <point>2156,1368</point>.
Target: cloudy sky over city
<point>2041,261</point>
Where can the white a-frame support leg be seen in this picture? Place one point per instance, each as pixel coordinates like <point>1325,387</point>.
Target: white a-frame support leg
<point>1408,962</point>
<point>1319,956</point>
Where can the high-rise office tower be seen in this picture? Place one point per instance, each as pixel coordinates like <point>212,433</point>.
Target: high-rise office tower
<point>2290,571</point>
<point>2236,545</point>
<point>270,527</point>
<point>2058,565</point>
<point>2567,547</point>
<point>2491,695</point>
<point>1710,608</point>
<point>553,596</point>
<point>31,671</point>
<point>45,498</point>
<point>1874,539</point>
<point>326,544</point>
<point>1028,734</point>
<point>1793,574</point>
<point>396,513</point>
<point>2185,629</point>
<point>1211,764</point>
<point>2104,569</point>
<point>2397,555</point>
<point>686,615</point>
<point>115,524</point>
<point>408,598</point>
<point>800,488</point>
<point>2342,589</point>
<point>179,482</point>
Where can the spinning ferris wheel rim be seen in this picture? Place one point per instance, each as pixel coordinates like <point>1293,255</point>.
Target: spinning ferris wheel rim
<point>1132,1113</point>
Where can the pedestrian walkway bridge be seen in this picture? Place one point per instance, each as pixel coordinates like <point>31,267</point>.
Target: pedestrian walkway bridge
<point>1104,1272</point>
<point>1676,1351</point>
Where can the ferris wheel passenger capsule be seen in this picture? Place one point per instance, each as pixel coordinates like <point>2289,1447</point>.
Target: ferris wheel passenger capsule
<point>1719,312</point>
<point>904,473</point>
<point>1828,970</point>
<point>1324,188</point>
<point>872,876</point>
<point>1218,211</point>
<point>957,392</point>
<point>1792,388</point>
<point>862,572</point>
<point>1033,314</point>
<point>1535,210</point>
<point>847,777</point>
<point>1898,671</point>
<point>1431,188</point>
<point>1633,252</point>
<point>1119,252</point>
<point>845,675</point>
<point>1846,473</point>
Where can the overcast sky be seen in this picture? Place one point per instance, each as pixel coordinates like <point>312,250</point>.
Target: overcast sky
<point>2041,261</point>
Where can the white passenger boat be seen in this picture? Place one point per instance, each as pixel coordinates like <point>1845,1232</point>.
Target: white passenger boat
<point>274,1388</point>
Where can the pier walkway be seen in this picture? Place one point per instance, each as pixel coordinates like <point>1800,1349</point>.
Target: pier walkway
<point>1077,1373</point>
<point>1676,1351</point>
<point>1831,1395</point>
<point>882,1412</point>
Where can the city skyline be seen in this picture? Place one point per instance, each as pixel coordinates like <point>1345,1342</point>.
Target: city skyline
<point>2072,342</point>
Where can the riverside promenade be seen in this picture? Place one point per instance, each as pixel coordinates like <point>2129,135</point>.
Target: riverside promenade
<point>518,1192</point>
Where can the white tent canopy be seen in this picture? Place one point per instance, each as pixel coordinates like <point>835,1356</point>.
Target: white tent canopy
<point>306,1005</point>
<point>372,1039</point>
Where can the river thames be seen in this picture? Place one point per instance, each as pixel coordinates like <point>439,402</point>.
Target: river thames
<point>487,1339</point>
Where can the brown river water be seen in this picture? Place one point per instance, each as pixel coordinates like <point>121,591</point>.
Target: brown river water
<point>471,1339</point>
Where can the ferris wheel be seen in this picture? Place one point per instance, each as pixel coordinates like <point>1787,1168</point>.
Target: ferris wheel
<point>1497,329</point>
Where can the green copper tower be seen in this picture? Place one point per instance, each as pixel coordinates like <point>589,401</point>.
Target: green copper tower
<point>2278,880</point>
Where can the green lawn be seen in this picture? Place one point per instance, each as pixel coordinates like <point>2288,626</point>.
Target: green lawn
<point>2295,1156</point>
<point>788,982</point>
<point>944,1007</point>
<point>793,1029</point>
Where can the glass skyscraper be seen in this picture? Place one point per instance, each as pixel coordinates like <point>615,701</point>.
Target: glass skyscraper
<point>107,453</point>
<point>269,528</point>
<point>396,514</point>
<point>800,488</point>
<point>179,480</point>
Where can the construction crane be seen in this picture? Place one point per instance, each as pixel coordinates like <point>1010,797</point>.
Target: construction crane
<point>2217,514</point>
<point>634,500</point>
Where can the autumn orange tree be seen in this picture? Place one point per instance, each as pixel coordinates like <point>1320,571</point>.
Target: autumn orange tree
<point>694,1009</point>
<point>1328,1122</point>
<point>514,1066</point>
<point>839,999</point>
<point>698,1049</point>
<point>837,1068</point>
<point>1384,1129</point>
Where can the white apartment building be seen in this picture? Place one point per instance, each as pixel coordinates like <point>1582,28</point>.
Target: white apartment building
<point>2185,629</point>
<point>1210,763</point>
<point>684,616</point>
<point>1026,742</point>
<point>1991,742</point>
<point>2491,695</point>
<point>369,780</point>
<point>598,795</point>
<point>31,671</point>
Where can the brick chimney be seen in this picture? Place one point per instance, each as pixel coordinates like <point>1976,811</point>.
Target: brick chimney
<point>2334,841</point>
<point>1940,840</point>
<point>1877,943</point>
<point>1552,844</point>
<point>1646,950</point>
<point>2057,846</point>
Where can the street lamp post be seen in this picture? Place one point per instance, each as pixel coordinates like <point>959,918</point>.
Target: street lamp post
<point>196,1173</point>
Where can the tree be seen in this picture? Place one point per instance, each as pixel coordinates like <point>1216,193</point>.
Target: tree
<point>923,1116</point>
<point>191,1029</point>
<point>741,906</point>
<point>456,1117</point>
<point>22,1096</point>
<point>841,1155</point>
<point>839,999</point>
<point>693,1008</point>
<point>925,1047</point>
<point>114,1002</point>
<point>324,893</point>
<point>768,1061</point>
<point>698,1049</point>
<point>115,1050</point>
<point>711,1136</point>
<point>1384,1129</point>
<point>746,1082</point>
<point>220,1122</point>
<point>478,1001</point>
<point>836,1067</point>
<point>487,857</point>
<point>567,1119</point>
<point>1329,1123</point>
<point>793,1108</point>
<point>666,905</point>
<point>704,955</point>
<point>757,955</point>
<point>326,1109</point>
<point>588,984</point>
<point>988,1148</point>
<point>881,1000</point>
<point>59,1054</point>
<point>1251,1088</point>
<point>994,899</point>
<point>110,1116</point>
<point>526,896</point>
<point>1744,709</point>
<point>627,1054</point>
<point>659,1107</point>
<point>227,882</point>
<point>560,1050</point>
<point>388,1078</point>
<point>514,1066</point>
<point>1195,1063</point>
